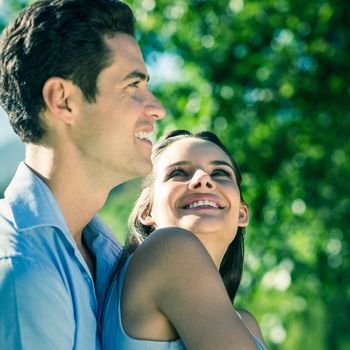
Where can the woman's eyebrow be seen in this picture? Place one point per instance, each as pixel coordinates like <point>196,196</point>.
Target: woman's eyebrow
<point>221,162</point>
<point>214,162</point>
<point>182,162</point>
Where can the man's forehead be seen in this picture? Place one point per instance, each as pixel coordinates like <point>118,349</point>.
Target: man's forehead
<point>124,45</point>
<point>126,59</point>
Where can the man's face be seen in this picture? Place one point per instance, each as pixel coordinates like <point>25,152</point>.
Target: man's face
<point>113,134</point>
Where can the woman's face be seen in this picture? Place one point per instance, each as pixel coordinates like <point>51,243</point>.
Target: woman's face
<point>195,188</point>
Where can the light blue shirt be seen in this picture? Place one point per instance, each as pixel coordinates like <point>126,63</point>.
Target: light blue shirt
<point>48,299</point>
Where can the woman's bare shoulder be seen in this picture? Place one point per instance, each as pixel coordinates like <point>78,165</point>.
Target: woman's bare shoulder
<point>166,253</point>
<point>170,245</point>
<point>163,279</point>
<point>173,282</point>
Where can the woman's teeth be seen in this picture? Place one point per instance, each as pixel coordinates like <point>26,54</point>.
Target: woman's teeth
<point>202,204</point>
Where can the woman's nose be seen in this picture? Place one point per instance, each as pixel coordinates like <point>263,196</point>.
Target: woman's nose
<point>201,179</point>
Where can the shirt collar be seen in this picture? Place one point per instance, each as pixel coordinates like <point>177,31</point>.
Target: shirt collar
<point>32,203</point>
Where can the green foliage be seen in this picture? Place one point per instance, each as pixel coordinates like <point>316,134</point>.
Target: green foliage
<point>118,207</point>
<point>272,78</point>
<point>9,8</point>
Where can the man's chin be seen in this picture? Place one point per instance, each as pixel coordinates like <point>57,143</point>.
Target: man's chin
<point>145,168</point>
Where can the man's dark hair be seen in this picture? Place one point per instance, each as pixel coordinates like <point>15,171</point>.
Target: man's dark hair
<point>63,38</point>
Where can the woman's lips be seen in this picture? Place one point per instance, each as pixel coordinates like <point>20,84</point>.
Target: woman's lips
<point>197,202</point>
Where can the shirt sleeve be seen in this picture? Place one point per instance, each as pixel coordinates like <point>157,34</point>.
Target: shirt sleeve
<point>36,311</point>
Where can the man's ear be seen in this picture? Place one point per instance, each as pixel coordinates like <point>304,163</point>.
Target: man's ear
<point>57,94</point>
<point>243,219</point>
<point>147,220</point>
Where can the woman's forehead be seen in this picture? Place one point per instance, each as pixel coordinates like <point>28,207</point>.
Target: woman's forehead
<point>191,150</point>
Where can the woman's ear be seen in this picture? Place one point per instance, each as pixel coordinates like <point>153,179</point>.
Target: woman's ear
<point>147,220</point>
<point>243,219</point>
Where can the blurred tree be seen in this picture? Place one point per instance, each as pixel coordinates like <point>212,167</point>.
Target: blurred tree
<point>272,78</point>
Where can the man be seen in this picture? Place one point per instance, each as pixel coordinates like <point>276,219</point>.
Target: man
<point>74,84</point>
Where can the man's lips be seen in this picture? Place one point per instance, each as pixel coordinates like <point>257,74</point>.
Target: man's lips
<point>202,202</point>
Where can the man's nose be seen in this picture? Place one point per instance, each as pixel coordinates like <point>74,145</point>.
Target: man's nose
<point>154,108</point>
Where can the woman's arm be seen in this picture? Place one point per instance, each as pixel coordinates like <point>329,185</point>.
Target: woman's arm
<point>180,280</point>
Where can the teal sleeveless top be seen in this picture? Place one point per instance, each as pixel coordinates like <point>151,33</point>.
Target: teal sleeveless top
<point>113,335</point>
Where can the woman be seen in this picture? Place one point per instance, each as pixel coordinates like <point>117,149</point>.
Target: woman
<point>168,293</point>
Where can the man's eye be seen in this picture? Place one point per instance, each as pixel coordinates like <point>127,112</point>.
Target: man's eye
<point>134,84</point>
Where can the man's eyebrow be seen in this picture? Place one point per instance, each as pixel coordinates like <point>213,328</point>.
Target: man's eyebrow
<point>137,74</point>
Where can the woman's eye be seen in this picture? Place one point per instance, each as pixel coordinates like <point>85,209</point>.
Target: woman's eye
<point>220,172</point>
<point>177,173</point>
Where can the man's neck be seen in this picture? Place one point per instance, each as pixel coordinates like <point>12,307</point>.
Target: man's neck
<point>79,195</point>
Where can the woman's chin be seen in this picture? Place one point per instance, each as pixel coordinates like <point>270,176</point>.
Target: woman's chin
<point>202,227</point>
